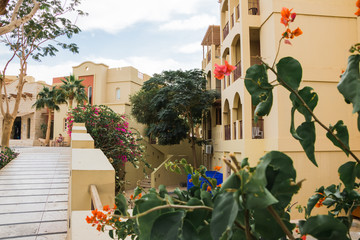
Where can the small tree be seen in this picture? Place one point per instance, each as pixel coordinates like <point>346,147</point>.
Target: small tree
<point>73,89</point>
<point>172,105</point>
<point>50,99</point>
<point>32,39</point>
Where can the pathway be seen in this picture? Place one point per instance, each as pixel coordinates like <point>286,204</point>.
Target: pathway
<point>34,194</point>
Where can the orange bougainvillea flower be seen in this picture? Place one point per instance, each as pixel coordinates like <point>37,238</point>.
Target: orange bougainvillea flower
<point>358,3</point>
<point>208,189</point>
<point>106,208</point>
<point>320,202</point>
<point>219,185</point>
<point>297,32</point>
<point>357,13</point>
<point>217,168</point>
<point>221,71</point>
<point>132,197</point>
<point>287,16</point>
<point>190,180</point>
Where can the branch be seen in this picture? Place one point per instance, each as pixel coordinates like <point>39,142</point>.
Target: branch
<point>192,208</point>
<point>312,113</point>
<point>17,22</point>
<point>280,222</point>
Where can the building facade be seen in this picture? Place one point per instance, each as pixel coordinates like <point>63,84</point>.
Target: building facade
<point>250,30</point>
<point>29,123</point>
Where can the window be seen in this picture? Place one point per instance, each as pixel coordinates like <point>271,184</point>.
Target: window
<point>218,116</point>
<point>28,127</point>
<point>65,125</point>
<point>90,95</point>
<point>118,94</point>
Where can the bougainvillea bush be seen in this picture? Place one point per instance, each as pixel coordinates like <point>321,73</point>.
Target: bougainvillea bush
<point>111,134</point>
<point>6,156</point>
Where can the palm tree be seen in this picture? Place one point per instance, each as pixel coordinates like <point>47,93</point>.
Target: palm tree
<point>50,99</point>
<point>73,89</point>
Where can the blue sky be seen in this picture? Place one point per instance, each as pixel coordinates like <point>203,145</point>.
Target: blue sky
<point>151,36</point>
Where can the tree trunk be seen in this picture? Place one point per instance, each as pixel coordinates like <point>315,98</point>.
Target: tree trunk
<point>193,148</point>
<point>70,103</point>
<point>6,130</point>
<point>47,138</point>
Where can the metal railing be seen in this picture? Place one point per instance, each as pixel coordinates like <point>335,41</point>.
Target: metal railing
<point>258,129</point>
<point>237,71</point>
<point>226,30</point>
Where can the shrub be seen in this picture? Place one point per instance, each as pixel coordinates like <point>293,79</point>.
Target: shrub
<point>6,156</point>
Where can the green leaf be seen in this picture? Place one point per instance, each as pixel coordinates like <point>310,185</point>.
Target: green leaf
<point>180,194</point>
<point>244,162</point>
<point>349,85</point>
<point>256,82</point>
<point>168,226</point>
<point>348,172</point>
<point>137,191</point>
<point>289,71</point>
<point>311,99</point>
<point>145,223</point>
<point>267,227</point>
<point>197,216</point>
<point>121,204</point>
<point>196,179</point>
<point>306,132</point>
<point>162,190</point>
<point>232,182</point>
<point>341,131</point>
<point>224,214</point>
<point>311,203</point>
<point>189,231</point>
<point>206,198</point>
<point>357,171</point>
<point>292,125</point>
<point>324,227</point>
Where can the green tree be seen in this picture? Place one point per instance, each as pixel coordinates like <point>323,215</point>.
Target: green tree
<point>34,39</point>
<point>172,104</point>
<point>50,99</point>
<point>73,89</point>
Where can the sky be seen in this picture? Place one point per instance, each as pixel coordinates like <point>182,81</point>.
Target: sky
<point>150,35</point>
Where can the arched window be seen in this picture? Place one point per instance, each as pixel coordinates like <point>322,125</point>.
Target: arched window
<point>90,95</point>
<point>117,94</point>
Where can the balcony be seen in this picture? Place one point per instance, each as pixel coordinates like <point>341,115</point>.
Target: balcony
<point>237,71</point>
<point>258,129</point>
<point>225,30</point>
<point>227,130</point>
<point>253,7</point>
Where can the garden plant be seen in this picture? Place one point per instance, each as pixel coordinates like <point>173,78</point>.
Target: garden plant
<point>6,156</point>
<point>111,134</point>
<point>253,203</point>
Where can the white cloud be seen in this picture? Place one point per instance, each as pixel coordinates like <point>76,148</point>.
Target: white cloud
<point>190,48</point>
<point>193,23</point>
<point>113,16</point>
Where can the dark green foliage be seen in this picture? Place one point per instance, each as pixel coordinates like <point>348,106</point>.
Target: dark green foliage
<point>290,72</point>
<point>171,104</point>
<point>73,89</point>
<point>49,98</point>
<point>340,131</point>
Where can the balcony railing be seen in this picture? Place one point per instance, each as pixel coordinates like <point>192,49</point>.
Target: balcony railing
<point>254,7</point>
<point>258,129</point>
<point>240,129</point>
<point>227,132</point>
<point>234,129</point>
<point>209,56</point>
<point>237,71</point>
<point>237,12</point>
<point>225,30</point>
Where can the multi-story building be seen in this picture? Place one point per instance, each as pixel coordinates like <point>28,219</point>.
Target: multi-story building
<point>250,30</point>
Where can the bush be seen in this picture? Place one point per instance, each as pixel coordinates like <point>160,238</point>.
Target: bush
<point>6,156</point>
<point>111,134</point>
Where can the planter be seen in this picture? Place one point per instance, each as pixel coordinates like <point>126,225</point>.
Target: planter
<point>211,174</point>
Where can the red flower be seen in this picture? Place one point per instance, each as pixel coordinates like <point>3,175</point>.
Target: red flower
<point>358,3</point>
<point>303,237</point>
<point>208,189</point>
<point>106,208</point>
<point>217,168</point>
<point>286,16</point>
<point>222,70</point>
<point>297,32</point>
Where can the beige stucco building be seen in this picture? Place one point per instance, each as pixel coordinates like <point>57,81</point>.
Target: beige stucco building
<point>27,125</point>
<point>251,29</point>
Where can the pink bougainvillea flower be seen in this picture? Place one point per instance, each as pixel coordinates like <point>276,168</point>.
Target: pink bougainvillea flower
<point>219,71</point>
<point>222,70</point>
<point>287,42</point>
